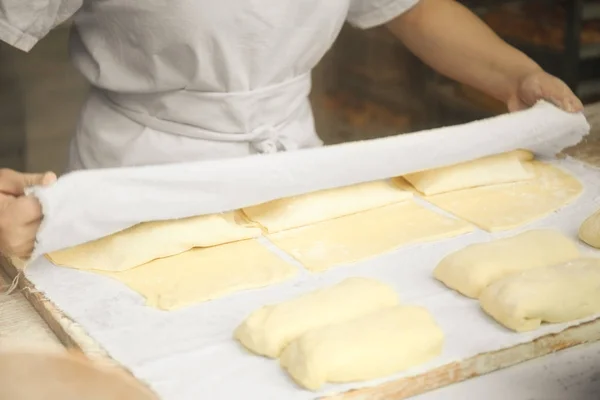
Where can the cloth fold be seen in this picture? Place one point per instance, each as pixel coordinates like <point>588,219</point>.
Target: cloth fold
<point>86,205</point>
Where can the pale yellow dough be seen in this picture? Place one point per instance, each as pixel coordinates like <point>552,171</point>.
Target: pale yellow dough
<point>473,268</point>
<point>270,328</point>
<point>510,205</point>
<point>369,347</point>
<point>558,293</point>
<point>491,170</point>
<point>310,208</point>
<point>203,274</point>
<point>366,234</point>
<point>151,240</point>
<point>589,231</point>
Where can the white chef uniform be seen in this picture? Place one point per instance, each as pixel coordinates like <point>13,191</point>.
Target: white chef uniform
<point>184,80</point>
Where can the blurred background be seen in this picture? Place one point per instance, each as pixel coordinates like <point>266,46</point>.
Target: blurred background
<point>367,86</point>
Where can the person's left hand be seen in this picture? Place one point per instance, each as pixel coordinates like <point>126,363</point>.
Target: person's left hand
<point>540,85</point>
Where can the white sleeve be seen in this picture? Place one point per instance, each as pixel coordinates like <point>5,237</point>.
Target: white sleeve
<point>366,14</point>
<point>24,22</point>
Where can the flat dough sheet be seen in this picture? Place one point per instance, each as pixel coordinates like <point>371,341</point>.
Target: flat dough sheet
<point>508,206</point>
<point>310,208</point>
<point>203,274</point>
<point>359,236</point>
<point>147,241</point>
<point>499,168</point>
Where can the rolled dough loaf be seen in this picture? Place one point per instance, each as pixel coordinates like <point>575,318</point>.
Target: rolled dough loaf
<point>510,205</point>
<point>203,274</point>
<point>310,208</point>
<point>475,267</point>
<point>379,344</point>
<point>270,328</point>
<point>558,293</point>
<point>589,231</point>
<point>369,233</point>
<point>492,170</point>
<point>151,240</point>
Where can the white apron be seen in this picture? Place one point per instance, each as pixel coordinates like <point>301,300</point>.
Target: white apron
<point>185,80</point>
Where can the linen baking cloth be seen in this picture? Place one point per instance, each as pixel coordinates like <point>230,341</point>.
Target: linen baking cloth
<point>190,352</point>
<point>86,205</point>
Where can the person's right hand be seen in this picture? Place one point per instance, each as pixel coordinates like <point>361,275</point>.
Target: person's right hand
<point>20,215</point>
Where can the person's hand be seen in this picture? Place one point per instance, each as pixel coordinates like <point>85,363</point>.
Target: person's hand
<point>20,215</point>
<point>540,85</point>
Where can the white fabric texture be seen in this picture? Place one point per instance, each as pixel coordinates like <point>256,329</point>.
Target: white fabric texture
<point>369,13</point>
<point>24,22</point>
<point>86,205</point>
<point>193,79</point>
<point>190,354</point>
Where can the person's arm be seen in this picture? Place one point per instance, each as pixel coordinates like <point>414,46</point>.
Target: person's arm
<point>455,42</point>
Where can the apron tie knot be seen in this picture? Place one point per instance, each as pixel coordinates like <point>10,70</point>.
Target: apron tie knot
<point>265,140</point>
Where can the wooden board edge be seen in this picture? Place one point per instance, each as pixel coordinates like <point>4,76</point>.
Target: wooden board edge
<point>73,336</point>
<point>68,332</point>
<point>478,365</point>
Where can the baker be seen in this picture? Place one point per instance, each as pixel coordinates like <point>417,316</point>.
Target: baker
<point>195,80</point>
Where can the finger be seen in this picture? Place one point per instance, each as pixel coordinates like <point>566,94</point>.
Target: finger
<point>515,104</point>
<point>38,179</point>
<point>48,178</point>
<point>11,182</point>
<point>572,104</point>
<point>25,249</point>
<point>531,91</point>
<point>28,235</point>
<point>25,210</point>
<point>15,183</point>
<point>561,96</point>
<point>19,241</point>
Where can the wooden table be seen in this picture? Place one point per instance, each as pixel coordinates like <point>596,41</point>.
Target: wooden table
<point>19,322</point>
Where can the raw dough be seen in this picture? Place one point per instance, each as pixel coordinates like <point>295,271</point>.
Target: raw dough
<point>310,208</point>
<point>476,266</point>
<point>589,231</point>
<point>359,236</point>
<point>203,274</point>
<point>492,170</point>
<point>510,205</point>
<point>383,343</point>
<point>558,293</point>
<point>270,328</point>
<point>151,240</point>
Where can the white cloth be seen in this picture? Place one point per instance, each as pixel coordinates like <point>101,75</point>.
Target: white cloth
<point>193,79</point>
<point>86,205</point>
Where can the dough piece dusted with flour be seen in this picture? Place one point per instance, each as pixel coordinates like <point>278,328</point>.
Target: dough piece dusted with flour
<point>492,170</point>
<point>203,274</point>
<point>373,346</point>
<point>589,231</point>
<point>510,205</point>
<point>310,208</point>
<point>558,293</point>
<point>269,329</point>
<point>359,236</point>
<point>151,240</point>
<point>475,267</point>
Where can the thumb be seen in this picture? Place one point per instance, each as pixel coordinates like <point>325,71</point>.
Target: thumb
<point>14,183</point>
<point>531,91</point>
<point>516,104</point>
